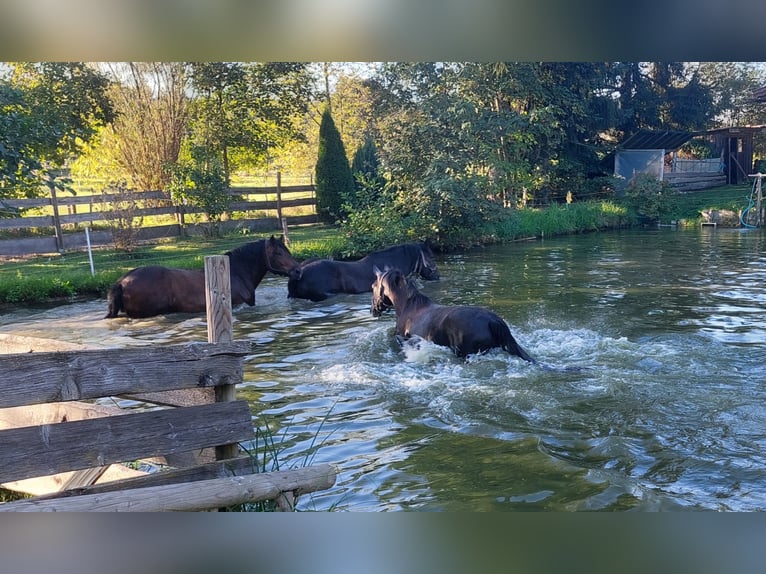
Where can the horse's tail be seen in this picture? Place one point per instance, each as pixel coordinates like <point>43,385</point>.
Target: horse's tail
<point>114,298</point>
<point>502,332</point>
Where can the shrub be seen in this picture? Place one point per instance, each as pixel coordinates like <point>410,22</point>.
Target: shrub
<point>122,219</point>
<point>650,198</point>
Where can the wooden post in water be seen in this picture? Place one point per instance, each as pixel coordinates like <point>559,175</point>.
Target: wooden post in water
<point>219,326</point>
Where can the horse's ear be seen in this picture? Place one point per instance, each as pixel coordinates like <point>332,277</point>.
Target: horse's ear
<point>378,272</point>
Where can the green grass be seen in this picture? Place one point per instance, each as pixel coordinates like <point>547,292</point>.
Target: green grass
<point>729,197</point>
<point>42,279</point>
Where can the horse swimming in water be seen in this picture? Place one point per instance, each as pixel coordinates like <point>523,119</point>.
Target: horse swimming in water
<point>156,290</point>
<point>465,329</point>
<point>323,278</point>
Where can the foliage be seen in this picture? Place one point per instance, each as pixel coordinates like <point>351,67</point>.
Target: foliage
<point>200,180</point>
<point>334,181</point>
<point>365,166</point>
<point>48,110</point>
<point>578,217</point>
<point>367,230</point>
<point>152,115</point>
<point>123,222</point>
<point>242,110</point>
<point>651,198</point>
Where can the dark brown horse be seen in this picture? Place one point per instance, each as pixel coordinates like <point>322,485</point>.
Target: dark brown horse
<point>465,329</point>
<point>156,290</point>
<point>323,278</point>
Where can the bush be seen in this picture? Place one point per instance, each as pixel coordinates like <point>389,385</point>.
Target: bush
<point>123,220</point>
<point>201,181</point>
<point>651,199</point>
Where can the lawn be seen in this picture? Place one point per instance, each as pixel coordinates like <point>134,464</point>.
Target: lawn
<point>730,197</point>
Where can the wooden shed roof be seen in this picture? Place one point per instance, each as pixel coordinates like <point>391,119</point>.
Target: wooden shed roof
<point>648,139</point>
<point>759,94</point>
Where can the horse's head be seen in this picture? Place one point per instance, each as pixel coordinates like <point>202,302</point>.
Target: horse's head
<point>386,290</point>
<point>427,265</point>
<point>279,260</point>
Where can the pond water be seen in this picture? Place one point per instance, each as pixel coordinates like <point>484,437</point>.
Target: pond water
<point>667,412</point>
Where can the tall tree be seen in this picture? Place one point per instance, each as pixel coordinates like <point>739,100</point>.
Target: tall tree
<point>50,110</point>
<point>334,181</point>
<point>152,117</point>
<point>366,170</point>
<point>241,111</point>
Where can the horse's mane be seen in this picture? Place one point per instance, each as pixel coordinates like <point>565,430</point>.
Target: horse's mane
<point>248,250</point>
<point>418,245</point>
<point>414,295</point>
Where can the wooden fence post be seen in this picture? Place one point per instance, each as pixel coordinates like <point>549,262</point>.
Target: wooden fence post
<point>51,183</point>
<point>219,326</point>
<point>279,196</point>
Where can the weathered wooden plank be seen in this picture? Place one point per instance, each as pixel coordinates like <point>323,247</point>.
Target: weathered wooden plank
<point>23,222</point>
<point>107,215</point>
<point>94,373</point>
<point>48,449</point>
<point>191,496</point>
<point>258,205</point>
<point>55,483</point>
<point>50,413</point>
<point>239,466</point>
<point>270,190</point>
<point>176,398</point>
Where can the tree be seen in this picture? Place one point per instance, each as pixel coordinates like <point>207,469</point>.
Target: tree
<point>334,181</point>
<point>152,118</point>
<point>18,139</point>
<point>50,110</point>
<point>199,179</point>
<point>241,111</point>
<point>365,168</point>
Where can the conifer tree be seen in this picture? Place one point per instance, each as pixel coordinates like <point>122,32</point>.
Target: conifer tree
<point>366,170</point>
<point>334,182</point>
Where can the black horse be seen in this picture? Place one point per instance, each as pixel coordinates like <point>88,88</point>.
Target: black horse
<point>465,329</point>
<point>155,290</point>
<point>323,278</point>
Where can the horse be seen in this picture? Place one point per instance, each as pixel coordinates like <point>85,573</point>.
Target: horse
<point>156,290</point>
<point>466,329</point>
<point>322,278</point>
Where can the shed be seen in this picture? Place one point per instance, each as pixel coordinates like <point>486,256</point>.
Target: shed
<point>735,147</point>
<point>644,152</point>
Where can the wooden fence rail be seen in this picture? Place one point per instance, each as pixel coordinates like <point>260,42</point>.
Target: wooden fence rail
<point>55,443</point>
<point>87,210</point>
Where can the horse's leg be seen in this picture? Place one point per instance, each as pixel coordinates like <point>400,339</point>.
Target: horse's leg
<point>114,299</point>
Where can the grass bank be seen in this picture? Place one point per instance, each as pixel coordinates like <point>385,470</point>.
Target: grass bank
<point>41,280</point>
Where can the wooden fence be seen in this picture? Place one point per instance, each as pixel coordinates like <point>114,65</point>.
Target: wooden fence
<point>78,212</point>
<point>59,443</point>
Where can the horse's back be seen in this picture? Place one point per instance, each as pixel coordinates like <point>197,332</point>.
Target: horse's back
<point>323,278</point>
<point>155,290</point>
<point>469,330</point>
